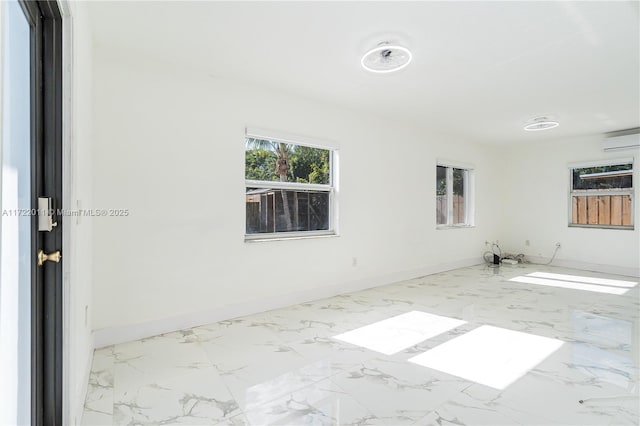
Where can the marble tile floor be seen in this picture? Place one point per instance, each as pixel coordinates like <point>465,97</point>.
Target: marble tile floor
<point>472,346</point>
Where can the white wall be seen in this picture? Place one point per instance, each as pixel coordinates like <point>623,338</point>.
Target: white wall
<point>536,206</point>
<point>169,146</point>
<point>78,243</point>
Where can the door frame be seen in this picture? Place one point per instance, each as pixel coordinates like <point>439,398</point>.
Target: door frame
<point>45,20</point>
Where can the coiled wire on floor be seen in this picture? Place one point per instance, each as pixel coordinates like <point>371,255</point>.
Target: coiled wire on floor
<point>489,255</point>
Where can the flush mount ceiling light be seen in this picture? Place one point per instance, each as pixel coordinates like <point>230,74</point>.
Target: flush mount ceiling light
<point>386,58</point>
<point>541,123</point>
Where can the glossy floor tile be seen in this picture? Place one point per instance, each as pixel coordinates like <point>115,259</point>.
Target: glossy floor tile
<point>516,345</point>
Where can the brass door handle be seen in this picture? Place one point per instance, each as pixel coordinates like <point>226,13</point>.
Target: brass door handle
<point>52,257</point>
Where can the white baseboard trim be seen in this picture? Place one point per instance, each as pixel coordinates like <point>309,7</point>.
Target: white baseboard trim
<point>126,333</point>
<point>586,266</point>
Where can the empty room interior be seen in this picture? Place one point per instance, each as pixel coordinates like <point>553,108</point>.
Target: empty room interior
<point>348,213</point>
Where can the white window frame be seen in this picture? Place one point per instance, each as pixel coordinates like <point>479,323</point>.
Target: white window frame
<point>468,193</point>
<point>331,188</point>
<point>595,192</point>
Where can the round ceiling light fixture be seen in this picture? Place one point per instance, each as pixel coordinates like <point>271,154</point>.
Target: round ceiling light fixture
<point>541,123</point>
<point>386,58</point>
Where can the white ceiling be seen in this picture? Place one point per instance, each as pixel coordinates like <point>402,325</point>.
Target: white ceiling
<point>480,70</point>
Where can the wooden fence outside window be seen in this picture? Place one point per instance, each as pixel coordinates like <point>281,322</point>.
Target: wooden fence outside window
<point>458,209</point>
<point>602,210</point>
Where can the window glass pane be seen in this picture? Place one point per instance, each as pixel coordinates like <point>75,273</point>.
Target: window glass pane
<point>15,244</point>
<point>593,200</point>
<point>458,196</point>
<point>275,210</point>
<point>271,161</point>
<point>441,195</point>
<point>614,177</point>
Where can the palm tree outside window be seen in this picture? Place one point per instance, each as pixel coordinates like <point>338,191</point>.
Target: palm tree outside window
<point>289,189</point>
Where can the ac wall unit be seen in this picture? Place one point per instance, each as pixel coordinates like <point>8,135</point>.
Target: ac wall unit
<point>619,143</point>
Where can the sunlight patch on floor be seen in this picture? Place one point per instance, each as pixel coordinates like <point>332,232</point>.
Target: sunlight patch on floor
<point>394,334</point>
<point>584,280</point>
<point>530,279</point>
<point>492,356</point>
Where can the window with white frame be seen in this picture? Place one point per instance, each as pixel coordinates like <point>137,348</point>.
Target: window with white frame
<point>454,195</point>
<point>601,194</point>
<point>289,188</point>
